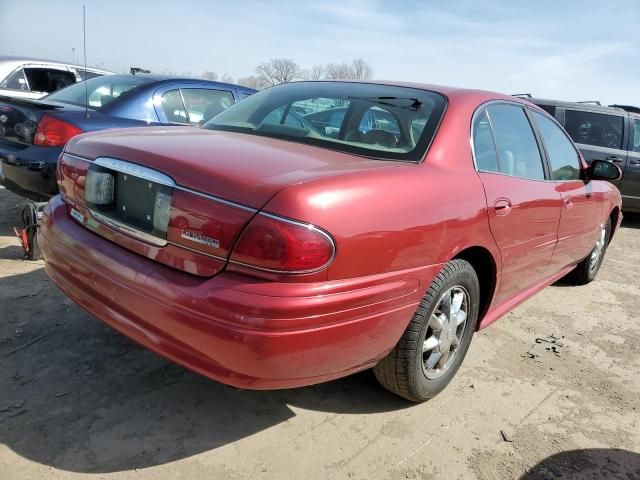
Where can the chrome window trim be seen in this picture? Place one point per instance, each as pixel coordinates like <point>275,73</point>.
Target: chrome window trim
<point>481,108</point>
<point>292,272</point>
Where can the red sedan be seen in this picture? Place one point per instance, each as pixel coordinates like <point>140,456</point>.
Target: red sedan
<point>316,229</point>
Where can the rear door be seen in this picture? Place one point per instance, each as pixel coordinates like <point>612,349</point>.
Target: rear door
<point>630,186</point>
<point>581,203</point>
<point>523,207</point>
<point>598,136</point>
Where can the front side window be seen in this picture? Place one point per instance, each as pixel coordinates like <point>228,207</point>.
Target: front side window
<point>100,91</point>
<point>48,79</point>
<point>15,81</point>
<point>385,122</point>
<point>203,104</point>
<point>597,129</point>
<point>563,157</point>
<point>636,135</point>
<point>484,147</point>
<point>518,151</point>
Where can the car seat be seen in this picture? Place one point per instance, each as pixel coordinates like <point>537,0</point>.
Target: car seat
<point>380,137</point>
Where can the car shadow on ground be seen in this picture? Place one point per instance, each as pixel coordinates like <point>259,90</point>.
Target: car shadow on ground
<point>84,398</point>
<point>594,463</point>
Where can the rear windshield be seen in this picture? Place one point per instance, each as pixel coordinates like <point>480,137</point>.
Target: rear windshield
<point>99,90</point>
<point>380,121</point>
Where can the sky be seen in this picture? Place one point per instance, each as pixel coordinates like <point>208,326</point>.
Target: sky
<point>561,49</point>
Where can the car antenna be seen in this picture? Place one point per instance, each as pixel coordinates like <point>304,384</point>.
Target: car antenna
<point>84,51</point>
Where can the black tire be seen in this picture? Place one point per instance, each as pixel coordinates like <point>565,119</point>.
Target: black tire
<point>585,272</point>
<point>402,371</point>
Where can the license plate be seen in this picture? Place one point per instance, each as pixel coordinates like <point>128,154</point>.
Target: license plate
<point>135,200</point>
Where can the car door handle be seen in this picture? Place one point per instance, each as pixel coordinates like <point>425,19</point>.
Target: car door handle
<point>567,202</point>
<point>614,158</point>
<point>502,206</point>
<point>634,162</point>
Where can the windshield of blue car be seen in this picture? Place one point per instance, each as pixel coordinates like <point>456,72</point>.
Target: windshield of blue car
<point>378,121</point>
<point>99,91</point>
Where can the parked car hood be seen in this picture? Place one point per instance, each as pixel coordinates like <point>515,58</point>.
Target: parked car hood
<point>244,168</point>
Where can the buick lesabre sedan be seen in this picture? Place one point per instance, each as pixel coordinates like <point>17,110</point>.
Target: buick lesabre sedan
<point>316,229</point>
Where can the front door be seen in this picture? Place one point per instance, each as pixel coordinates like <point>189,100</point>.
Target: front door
<point>523,207</point>
<point>581,205</point>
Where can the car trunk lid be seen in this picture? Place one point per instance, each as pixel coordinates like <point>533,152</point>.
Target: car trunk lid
<point>19,119</point>
<point>214,183</point>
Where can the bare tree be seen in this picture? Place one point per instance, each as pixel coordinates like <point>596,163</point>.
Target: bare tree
<point>358,69</point>
<point>226,78</point>
<point>361,69</point>
<point>208,75</point>
<point>277,71</point>
<point>251,81</point>
<point>337,71</point>
<point>314,73</point>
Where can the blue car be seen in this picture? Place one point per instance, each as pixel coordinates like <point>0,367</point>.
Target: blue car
<point>33,132</point>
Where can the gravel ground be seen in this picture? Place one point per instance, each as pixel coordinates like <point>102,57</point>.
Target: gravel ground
<point>83,401</point>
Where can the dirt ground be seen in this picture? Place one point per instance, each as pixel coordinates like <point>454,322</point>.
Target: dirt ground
<point>83,401</point>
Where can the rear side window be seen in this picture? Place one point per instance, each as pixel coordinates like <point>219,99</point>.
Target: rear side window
<point>597,129</point>
<point>518,152</point>
<point>15,81</point>
<point>48,79</point>
<point>484,147</point>
<point>204,104</point>
<point>563,156</point>
<point>173,107</point>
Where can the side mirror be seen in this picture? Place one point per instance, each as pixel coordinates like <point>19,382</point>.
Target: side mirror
<point>603,170</point>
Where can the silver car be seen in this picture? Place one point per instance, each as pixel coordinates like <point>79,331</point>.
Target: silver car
<point>33,78</point>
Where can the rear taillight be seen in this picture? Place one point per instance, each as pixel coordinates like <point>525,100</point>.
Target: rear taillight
<point>53,132</point>
<point>99,187</point>
<point>277,244</point>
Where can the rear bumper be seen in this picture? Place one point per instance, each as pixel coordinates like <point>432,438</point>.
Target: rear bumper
<point>30,171</point>
<point>234,329</point>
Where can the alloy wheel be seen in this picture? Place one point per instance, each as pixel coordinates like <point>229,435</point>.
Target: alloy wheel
<point>445,331</point>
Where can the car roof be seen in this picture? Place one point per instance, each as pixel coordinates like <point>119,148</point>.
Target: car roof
<point>10,63</point>
<point>451,92</point>
<point>158,80</point>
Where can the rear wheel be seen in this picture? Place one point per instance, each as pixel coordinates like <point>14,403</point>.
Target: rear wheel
<point>436,340</point>
<point>587,270</point>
